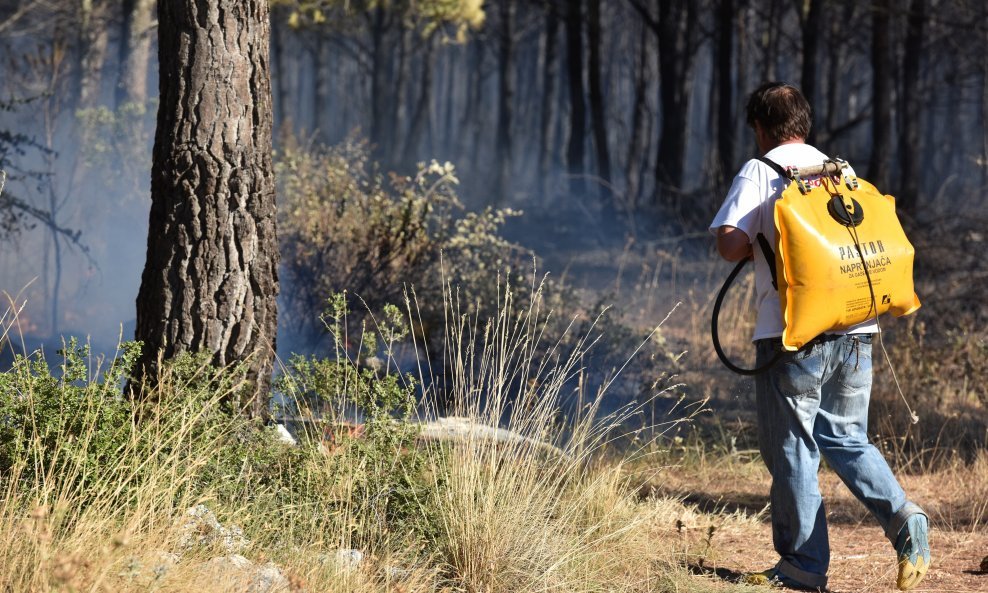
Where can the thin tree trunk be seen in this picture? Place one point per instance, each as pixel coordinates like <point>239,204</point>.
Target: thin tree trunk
<point>881,102</point>
<point>399,103</point>
<point>984,102</point>
<point>640,125</point>
<point>450,95</point>
<point>322,108</point>
<point>676,23</point>
<point>909,140</point>
<point>211,278</point>
<point>725,95</point>
<point>380,98</point>
<point>281,98</point>
<point>598,111</point>
<point>550,77</point>
<point>420,119</point>
<point>473,116</point>
<point>771,37</point>
<point>578,113</point>
<point>506,96</point>
<point>93,39</point>
<point>135,52</point>
<point>811,54</point>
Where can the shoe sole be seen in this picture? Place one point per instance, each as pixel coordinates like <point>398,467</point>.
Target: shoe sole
<point>911,574</point>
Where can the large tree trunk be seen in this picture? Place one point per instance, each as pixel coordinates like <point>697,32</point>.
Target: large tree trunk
<point>210,281</point>
<point>578,110</point>
<point>881,102</point>
<point>135,51</point>
<point>909,142</point>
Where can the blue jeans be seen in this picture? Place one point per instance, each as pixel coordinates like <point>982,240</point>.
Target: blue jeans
<point>809,403</point>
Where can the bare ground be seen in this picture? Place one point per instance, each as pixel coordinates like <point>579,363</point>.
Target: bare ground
<point>735,498</point>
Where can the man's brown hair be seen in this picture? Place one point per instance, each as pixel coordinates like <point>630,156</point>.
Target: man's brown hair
<point>782,111</point>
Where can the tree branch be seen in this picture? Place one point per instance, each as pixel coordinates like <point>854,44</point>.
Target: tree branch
<point>642,10</point>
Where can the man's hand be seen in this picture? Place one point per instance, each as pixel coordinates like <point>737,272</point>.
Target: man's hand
<point>733,244</point>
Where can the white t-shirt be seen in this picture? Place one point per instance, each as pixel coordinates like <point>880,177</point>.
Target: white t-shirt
<point>749,206</point>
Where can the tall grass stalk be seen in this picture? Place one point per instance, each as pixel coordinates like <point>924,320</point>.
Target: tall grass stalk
<point>532,496</point>
<point>514,514</point>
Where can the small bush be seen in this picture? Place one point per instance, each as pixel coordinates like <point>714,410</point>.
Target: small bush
<point>345,227</point>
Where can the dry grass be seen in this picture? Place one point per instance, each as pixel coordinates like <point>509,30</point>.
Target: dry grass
<point>504,516</point>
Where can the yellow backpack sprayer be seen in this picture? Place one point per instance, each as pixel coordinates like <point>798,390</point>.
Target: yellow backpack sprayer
<point>840,256</point>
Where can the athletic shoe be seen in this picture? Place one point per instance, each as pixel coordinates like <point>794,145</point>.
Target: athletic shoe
<point>773,578</point>
<point>913,550</point>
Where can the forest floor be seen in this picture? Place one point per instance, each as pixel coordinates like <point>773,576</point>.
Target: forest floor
<point>862,559</point>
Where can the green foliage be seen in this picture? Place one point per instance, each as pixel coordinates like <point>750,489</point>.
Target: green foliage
<point>12,146</point>
<point>55,419</point>
<point>345,227</point>
<point>463,15</point>
<point>116,140</point>
<point>374,469</point>
<point>69,428</point>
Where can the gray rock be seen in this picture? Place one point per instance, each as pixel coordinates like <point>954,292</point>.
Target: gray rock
<point>203,530</point>
<point>232,561</point>
<point>349,559</point>
<point>268,579</point>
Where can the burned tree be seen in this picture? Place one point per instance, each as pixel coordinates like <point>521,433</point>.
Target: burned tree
<point>210,280</point>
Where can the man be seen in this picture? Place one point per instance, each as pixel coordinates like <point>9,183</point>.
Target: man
<point>814,401</point>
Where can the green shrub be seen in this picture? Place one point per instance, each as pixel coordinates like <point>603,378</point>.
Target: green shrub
<point>53,418</point>
<point>345,227</point>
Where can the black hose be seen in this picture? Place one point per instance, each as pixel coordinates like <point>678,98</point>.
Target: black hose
<point>713,329</point>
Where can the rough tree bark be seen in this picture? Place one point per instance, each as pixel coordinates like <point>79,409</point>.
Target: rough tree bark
<point>135,52</point>
<point>210,281</point>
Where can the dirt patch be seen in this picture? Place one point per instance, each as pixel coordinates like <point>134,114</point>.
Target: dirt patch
<point>862,559</point>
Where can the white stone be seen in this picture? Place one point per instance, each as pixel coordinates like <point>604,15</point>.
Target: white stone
<point>284,436</point>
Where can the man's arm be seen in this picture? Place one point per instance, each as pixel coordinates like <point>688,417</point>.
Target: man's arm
<point>733,244</point>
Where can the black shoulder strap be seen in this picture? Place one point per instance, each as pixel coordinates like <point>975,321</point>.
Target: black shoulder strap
<point>769,257</point>
<point>775,166</point>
